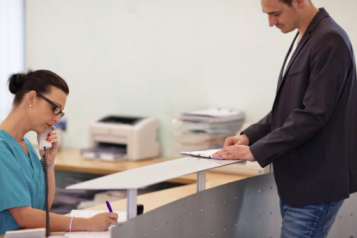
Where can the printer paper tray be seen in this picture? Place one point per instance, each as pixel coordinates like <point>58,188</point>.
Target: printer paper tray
<point>109,154</point>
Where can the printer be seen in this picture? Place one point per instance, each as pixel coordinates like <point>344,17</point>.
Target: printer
<point>120,137</point>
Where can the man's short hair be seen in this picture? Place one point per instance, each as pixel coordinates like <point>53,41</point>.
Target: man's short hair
<point>287,2</point>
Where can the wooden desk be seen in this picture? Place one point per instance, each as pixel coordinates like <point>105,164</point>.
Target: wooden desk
<point>71,160</point>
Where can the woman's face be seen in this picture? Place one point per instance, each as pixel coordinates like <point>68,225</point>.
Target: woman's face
<point>42,112</point>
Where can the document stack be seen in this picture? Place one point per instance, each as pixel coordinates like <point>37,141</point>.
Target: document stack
<point>205,129</point>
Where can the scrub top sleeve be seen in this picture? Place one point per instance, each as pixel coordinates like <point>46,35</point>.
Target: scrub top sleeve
<point>14,191</point>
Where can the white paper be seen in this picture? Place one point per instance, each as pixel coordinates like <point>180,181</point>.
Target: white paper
<point>26,233</point>
<point>84,234</point>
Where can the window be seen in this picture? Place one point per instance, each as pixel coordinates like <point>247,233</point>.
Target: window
<point>12,48</point>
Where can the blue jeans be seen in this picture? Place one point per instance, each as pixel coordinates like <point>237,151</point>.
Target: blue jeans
<point>313,221</point>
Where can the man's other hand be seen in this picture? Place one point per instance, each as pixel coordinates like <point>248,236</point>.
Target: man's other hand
<point>237,140</point>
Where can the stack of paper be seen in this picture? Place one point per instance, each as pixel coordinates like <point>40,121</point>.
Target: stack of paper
<point>213,115</point>
<point>205,129</point>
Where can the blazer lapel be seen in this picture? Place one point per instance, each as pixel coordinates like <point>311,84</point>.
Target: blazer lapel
<point>320,15</point>
<point>286,58</point>
<point>293,57</point>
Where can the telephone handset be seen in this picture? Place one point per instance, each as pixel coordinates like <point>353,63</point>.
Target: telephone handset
<point>43,145</point>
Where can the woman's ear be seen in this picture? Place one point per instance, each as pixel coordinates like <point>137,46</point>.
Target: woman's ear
<point>30,98</point>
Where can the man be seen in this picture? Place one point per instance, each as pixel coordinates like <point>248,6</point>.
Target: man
<point>310,134</point>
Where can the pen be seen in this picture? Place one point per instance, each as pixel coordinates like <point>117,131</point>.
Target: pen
<point>109,207</point>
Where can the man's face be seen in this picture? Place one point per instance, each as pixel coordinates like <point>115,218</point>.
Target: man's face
<point>281,15</point>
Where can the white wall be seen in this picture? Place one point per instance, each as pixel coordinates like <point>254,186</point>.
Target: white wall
<point>160,57</point>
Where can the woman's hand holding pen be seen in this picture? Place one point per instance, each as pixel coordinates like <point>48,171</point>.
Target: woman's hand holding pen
<point>102,221</point>
<point>51,153</point>
<point>236,148</point>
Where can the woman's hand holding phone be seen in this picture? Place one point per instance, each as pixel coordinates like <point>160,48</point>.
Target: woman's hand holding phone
<point>49,139</point>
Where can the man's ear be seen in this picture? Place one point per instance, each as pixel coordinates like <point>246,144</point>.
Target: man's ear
<point>299,3</point>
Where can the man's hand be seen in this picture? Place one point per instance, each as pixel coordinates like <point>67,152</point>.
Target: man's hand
<point>235,152</point>
<point>237,140</point>
<point>236,148</point>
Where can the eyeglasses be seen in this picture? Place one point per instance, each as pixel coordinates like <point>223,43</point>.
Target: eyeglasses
<point>56,109</point>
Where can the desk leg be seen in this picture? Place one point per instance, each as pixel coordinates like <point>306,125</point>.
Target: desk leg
<point>131,197</point>
<point>201,181</point>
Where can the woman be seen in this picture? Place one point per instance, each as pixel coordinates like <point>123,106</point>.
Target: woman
<point>40,97</point>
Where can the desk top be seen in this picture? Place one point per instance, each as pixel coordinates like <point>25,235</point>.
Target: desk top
<point>71,160</point>
<point>153,174</point>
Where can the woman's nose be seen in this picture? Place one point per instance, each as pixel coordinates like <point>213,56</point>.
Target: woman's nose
<point>57,118</point>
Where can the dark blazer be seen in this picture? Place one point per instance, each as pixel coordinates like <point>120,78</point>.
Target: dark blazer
<point>310,135</point>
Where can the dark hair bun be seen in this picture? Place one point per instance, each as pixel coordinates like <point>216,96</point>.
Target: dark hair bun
<point>16,81</point>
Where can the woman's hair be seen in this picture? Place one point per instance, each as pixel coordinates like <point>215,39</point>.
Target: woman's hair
<point>39,81</point>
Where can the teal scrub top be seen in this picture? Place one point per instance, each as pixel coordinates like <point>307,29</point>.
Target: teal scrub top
<point>21,180</point>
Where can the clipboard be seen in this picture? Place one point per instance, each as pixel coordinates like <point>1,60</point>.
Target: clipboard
<point>206,154</point>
